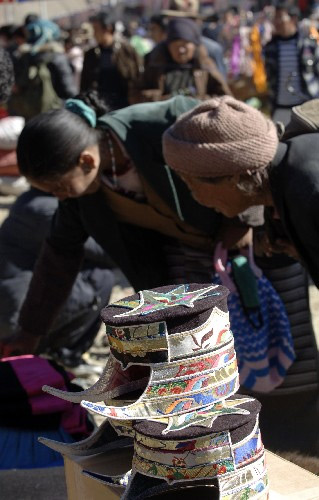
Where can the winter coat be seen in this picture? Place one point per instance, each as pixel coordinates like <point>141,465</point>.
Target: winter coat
<point>294,183</point>
<point>42,79</point>
<point>125,73</point>
<point>53,55</point>
<point>308,62</point>
<point>159,65</point>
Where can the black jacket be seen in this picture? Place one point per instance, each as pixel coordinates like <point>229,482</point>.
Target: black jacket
<point>121,74</point>
<point>294,183</point>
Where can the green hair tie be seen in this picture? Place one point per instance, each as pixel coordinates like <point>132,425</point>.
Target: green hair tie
<point>81,109</point>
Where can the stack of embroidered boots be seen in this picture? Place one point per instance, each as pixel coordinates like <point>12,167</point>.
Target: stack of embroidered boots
<point>169,390</point>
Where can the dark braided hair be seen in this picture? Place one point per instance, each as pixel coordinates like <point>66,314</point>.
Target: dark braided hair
<point>92,99</point>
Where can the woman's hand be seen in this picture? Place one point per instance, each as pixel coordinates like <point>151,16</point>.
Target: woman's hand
<point>18,344</point>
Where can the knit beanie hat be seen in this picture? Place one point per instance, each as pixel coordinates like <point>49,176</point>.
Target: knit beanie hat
<point>221,136</point>
<point>183,29</point>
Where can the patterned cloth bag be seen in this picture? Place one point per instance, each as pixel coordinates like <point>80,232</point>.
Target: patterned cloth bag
<point>259,321</point>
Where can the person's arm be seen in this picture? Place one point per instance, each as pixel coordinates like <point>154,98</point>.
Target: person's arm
<point>62,76</point>
<point>215,52</point>
<point>270,60</point>
<point>316,60</point>
<point>95,255</point>
<point>53,277</point>
<point>217,84</point>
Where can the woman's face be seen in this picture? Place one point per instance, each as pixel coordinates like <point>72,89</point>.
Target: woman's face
<point>224,195</point>
<point>181,51</point>
<point>80,180</point>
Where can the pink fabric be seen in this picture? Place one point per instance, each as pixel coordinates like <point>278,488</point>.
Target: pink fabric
<point>33,372</point>
<point>42,404</point>
<point>74,420</point>
<point>33,376</point>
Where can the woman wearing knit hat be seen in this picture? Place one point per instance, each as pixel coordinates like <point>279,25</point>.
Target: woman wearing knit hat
<point>230,157</point>
<point>181,65</point>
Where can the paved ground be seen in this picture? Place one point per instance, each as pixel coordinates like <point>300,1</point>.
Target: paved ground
<point>33,484</point>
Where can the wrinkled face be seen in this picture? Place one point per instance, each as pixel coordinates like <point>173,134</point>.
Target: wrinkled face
<point>156,33</point>
<point>181,51</point>
<point>284,24</point>
<point>222,195</point>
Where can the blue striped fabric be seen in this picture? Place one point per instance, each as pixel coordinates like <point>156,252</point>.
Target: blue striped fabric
<point>289,76</point>
<point>264,352</point>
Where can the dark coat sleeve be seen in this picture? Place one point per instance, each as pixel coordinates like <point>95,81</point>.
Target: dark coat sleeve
<point>62,76</point>
<point>217,84</point>
<point>90,71</point>
<point>270,54</point>
<point>96,256</point>
<point>55,270</point>
<point>154,67</point>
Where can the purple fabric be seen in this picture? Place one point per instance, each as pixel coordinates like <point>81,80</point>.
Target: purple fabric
<point>74,420</point>
<point>32,373</point>
<point>33,376</point>
<point>235,57</point>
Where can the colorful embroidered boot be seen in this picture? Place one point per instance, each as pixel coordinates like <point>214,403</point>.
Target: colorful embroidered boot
<point>230,454</point>
<point>182,336</point>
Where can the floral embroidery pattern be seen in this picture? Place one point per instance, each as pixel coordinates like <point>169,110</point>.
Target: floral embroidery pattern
<point>238,481</point>
<point>193,384</point>
<point>159,408</point>
<point>172,474</point>
<point>181,346</point>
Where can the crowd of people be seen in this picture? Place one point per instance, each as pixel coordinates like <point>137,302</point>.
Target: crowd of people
<point>165,148</point>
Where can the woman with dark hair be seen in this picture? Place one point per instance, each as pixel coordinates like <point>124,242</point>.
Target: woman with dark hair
<point>110,176</point>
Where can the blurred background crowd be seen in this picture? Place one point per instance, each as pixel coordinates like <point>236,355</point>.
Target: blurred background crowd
<point>141,51</point>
